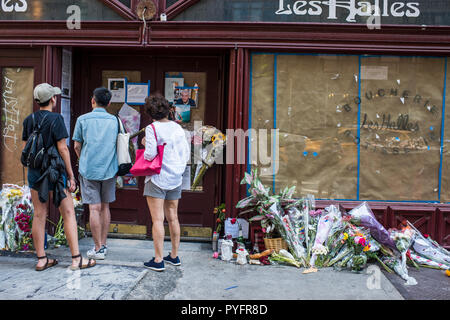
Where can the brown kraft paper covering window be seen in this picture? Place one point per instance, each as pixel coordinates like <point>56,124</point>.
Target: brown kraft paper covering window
<point>445,187</point>
<point>317,119</point>
<point>262,111</point>
<point>401,112</point>
<point>16,104</point>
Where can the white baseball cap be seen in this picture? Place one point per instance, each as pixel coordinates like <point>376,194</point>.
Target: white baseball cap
<point>44,92</point>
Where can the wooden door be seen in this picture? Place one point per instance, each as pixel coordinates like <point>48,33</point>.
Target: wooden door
<point>129,213</point>
<point>196,207</point>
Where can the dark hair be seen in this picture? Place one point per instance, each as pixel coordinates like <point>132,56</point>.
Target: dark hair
<point>102,96</point>
<point>157,106</point>
<point>43,104</point>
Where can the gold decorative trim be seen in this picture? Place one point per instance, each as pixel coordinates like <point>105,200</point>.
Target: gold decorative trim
<point>124,228</point>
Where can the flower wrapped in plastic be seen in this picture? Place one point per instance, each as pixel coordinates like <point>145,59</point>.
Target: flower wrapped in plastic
<point>295,216</point>
<point>310,219</point>
<point>343,252</point>
<point>326,221</point>
<point>212,145</point>
<point>396,265</point>
<point>358,262</point>
<point>357,240</point>
<point>426,247</point>
<point>291,236</point>
<point>16,217</point>
<point>362,215</point>
<point>425,262</point>
<point>403,240</point>
<point>284,257</point>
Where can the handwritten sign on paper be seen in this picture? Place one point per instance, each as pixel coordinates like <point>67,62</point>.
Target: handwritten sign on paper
<point>233,229</point>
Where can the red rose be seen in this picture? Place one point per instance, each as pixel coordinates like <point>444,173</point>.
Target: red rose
<point>223,210</point>
<point>426,235</point>
<point>218,221</point>
<point>233,221</point>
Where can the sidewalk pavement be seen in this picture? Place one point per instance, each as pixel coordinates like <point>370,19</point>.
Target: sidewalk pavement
<point>122,277</point>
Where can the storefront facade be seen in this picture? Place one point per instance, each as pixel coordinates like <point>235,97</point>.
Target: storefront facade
<point>349,96</point>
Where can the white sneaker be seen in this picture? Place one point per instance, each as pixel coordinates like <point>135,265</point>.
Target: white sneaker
<point>97,255</point>
<point>105,249</point>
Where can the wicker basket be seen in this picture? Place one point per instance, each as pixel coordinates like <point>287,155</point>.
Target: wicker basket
<point>276,244</point>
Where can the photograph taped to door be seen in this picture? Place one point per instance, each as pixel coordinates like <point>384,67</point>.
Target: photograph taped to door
<point>117,86</point>
<point>169,86</point>
<point>186,95</point>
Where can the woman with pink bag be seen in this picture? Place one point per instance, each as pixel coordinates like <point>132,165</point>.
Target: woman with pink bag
<point>163,190</point>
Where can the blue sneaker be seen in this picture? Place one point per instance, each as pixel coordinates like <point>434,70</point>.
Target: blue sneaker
<point>172,261</point>
<point>155,266</point>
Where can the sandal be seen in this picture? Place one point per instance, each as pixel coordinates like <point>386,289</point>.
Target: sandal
<point>81,266</point>
<point>47,265</point>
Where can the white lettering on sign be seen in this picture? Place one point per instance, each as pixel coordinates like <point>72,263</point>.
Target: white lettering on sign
<point>11,115</point>
<point>375,8</point>
<point>19,6</point>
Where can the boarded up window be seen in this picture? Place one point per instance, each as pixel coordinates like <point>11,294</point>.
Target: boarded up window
<point>352,127</point>
<point>401,116</point>
<point>17,103</point>
<point>445,187</point>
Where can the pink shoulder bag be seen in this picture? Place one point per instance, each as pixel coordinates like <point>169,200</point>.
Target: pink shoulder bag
<point>143,167</point>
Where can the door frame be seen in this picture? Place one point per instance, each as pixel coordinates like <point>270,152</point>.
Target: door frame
<point>86,58</point>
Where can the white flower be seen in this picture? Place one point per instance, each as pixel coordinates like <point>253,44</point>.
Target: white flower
<point>319,249</point>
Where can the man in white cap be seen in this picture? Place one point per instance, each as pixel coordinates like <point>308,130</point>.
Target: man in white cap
<point>54,135</point>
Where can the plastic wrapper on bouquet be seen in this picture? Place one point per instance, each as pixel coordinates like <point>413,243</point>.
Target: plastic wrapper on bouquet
<point>362,215</point>
<point>428,248</point>
<point>15,217</point>
<point>326,222</point>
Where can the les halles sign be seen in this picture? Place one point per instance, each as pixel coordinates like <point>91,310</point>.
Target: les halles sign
<point>353,8</point>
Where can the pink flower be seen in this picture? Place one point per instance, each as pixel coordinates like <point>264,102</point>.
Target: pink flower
<point>362,241</point>
<point>264,230</point>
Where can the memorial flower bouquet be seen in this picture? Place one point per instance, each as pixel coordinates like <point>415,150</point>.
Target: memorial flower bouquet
<point>24,220</point>
<point>326,221</point>
<point>396,265</point>
<point>15,218</point>
<point>212,141</point>
<point>356,240</point>
<point>363,216</point>
<point>425,262</point>
<point>329,238</point>
<point>429,249</point>
<point>220,213</point>
<point>403,240</point>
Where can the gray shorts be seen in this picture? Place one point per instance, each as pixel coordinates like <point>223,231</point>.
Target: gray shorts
<point>93,191</point>
<point>152,190</point>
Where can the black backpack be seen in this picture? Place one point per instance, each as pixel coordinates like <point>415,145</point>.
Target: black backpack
<point>34,151</point>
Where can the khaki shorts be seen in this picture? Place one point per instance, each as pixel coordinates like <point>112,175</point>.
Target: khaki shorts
<point>152,190</point>
<point>98,191</point>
